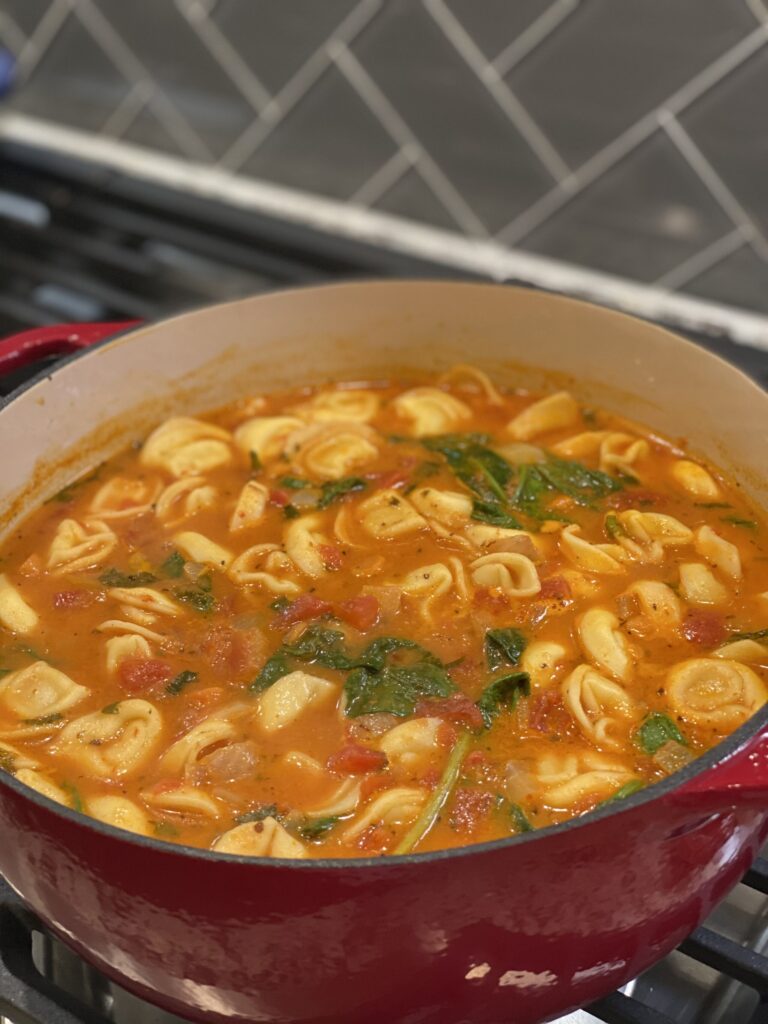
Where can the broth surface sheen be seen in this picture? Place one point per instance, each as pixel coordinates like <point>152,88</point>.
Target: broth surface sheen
<point>372,618</point>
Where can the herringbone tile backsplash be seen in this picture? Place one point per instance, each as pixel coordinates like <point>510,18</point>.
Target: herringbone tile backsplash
<point>630,136</point>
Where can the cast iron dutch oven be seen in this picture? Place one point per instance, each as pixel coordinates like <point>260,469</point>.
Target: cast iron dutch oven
<point>516,930</point>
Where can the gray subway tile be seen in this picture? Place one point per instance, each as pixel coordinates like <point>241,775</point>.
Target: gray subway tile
<point>411,197</point>
<point>180,64</point>
<point>640,219</point>
<point>148,130</point>
<point>275,38</point>
<point>451,113</point>
<point>26,13</point>
<point>614,61</point>
<point>741,279</point>
<point>74,83</point>
<point>329,143</point>
<point>729,124</point>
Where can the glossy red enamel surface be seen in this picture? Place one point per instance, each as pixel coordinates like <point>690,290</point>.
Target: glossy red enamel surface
<point>518,931</point>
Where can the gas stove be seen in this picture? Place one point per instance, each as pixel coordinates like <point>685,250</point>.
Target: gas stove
<point>81,242</point>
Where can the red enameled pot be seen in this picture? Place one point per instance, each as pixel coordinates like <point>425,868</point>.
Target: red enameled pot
<point>518,930</point>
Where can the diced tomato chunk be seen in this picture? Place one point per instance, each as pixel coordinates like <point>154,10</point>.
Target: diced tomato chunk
<point>331,556</point>
<point>470,806</point>
<point>493,600</point>
<point>547,713</point>
<point>362,612</point>
<point>304,608</point>
<point>556,587</point>
<point>356,759</point>
<point>232,652</point>
<point>704,627</point>
<point>73,598</point>
<point>393,479</point>
<point>136,675</point>
<point>279,498</point>
<point>165,786</point>
<point>374,839</point>
<point>457,708</point>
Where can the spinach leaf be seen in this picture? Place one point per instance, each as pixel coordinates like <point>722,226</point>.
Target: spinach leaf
<point>540,481</point>
<point>503,693</point>
<point>279,604</point>
<point>274,668</point>
<point>258,814</point>
<point>318,644</point>
<point>657,730</point>
<point>748,524</point>
<point>375,655</point>
<point>74,795</point>
<point>494,514</point>
<point>633,786</point>
<point>519,819</point>
<point>183,679</point>
<point>480,469</point>
<point>332,490</point>
<point>43,719</point>
<point>759,635</point>
<point>295,483</point>
<point>201,599</point>
<point>613,526</point>
<point>116,578</point>
<point>317,829</point>
<point>173,566</point>
<point>422,472</point>
<point>503,646</point>
<point>290,512</point>
<point>395,688</point>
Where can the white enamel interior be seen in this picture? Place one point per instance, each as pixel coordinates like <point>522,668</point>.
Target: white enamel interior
<point>96,404</point>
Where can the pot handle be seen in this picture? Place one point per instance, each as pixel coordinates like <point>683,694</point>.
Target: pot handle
<point>740,780</point>
<point>55,340</point>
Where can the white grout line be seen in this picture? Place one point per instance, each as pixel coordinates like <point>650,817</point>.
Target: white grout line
<point>468,50</point>
<point>297,86</point>
<point>623,144</point>
<point>703,260</point>
<point>46,30</point>
<point>381,181</point>
<point>536,33</point>
<point>126,112</point>
<point>713,182</point>
<point>134,71</point>
<point>399,131</point>
<point>225,55</point>
<point>487,257</point>
<point>759,9</point>
<point>11,34</point>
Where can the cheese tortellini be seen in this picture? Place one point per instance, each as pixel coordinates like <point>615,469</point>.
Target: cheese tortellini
<point>606,559</point>
<point>332,450</point>
<point>266,838</point>
<point>601,707</point>
<point>80,545</point>
<point>290,697</point>
<point>430,411</point>
<point>604,644</point>
<point>112,744</point>
<point>15,613</point>
<point>514,575</point>
<point>387,515</point>
<point>552,413</point>
<point>569,778</point>
<point>37,697</point>
<point>184,446</point>
<point>715,693</point>
<point>267,566</point>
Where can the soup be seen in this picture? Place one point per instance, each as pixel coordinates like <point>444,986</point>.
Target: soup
<point>371,619</point>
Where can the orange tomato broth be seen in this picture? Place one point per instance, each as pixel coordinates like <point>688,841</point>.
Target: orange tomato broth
<point>294,775</point>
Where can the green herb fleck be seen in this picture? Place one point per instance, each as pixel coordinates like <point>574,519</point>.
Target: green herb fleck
<point>316,829</point>
<point>503,646</point>
<point>258,814</point>
<point>503,693</point>
<point>290,512</point>
<point>43,719</point>
<point>332,490</point>
<point>116,578</point>
<point>255,461</point>
<point>68,493</point>
<point>747,524</point>
<point>111,709</point>
<point>173,566</point>
<point>589,416</point>
<point>613,526</point>
<point>7,761</point>
<point>295,483</point>
<point>183,679</point>
<point>74,796</point>
<point>712,504</point>
<point>520,821</point>
<point>657,730</point>
<point>759,635</point>
<point>164,829</point>
<point>279,604</point>
<point>201,600</point>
